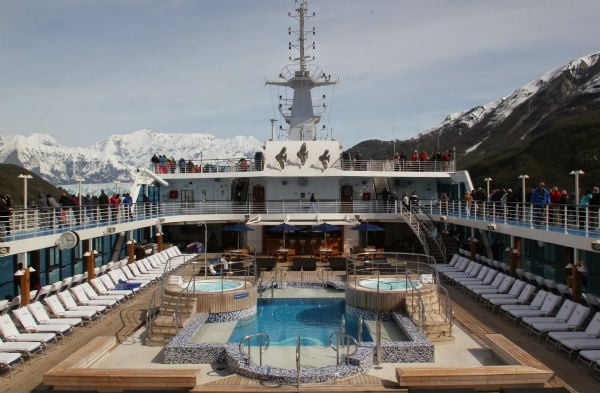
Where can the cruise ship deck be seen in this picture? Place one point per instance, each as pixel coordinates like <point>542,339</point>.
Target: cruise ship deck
<point>126,325</point>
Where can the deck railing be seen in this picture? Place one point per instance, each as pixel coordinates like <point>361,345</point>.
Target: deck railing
<point>33,222</point>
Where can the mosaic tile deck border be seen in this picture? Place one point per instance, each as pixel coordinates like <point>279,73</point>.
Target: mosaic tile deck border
<point>181,350</point>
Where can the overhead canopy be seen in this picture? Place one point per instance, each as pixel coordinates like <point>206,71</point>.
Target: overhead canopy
<point>366,227</point>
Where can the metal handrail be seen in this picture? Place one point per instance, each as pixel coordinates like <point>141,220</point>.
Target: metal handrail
<point>298,345</point>
<point>32,222</point>
<point>345,340</point>
<point>261,349</point>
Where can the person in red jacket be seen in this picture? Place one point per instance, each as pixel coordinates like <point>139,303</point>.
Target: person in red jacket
<point>555,196</point>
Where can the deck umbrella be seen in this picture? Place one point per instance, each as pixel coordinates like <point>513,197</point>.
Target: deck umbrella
<point>238,227</point>
<point>324,227</point>
<point>366,227</point>
<point>284,227</point>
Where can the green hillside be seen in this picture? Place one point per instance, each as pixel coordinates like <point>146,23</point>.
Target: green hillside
<point>12,185</point>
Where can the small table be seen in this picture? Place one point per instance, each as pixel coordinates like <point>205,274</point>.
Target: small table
<point>325,253</point>
<point>282,254</point>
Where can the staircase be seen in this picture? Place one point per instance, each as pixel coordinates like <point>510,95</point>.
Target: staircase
<point>163,326</point>
<point>427,233</point>
<point>437,325</point>
<point>380,184</point>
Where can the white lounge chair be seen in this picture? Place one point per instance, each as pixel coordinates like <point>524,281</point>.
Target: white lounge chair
<point>495,283</point>
<point>514,292</point>
<point>41,316</point>
<point>551,302</point>
<point>564,312</point>
<point>574,322</point>
<point>589,357</point>
<point>99,286</point>
<point>93,295</point>
<point>471,270</point>
<point>535,303</point>
<point>70,304</point>
<point>28,348</point>
<point>479,277</point>
<point>591,331</point>
<point>9,332</point>
<point>111,285</point>
<point>575,345</point>
<point>10,359</point>
<point>28,323</point>
<point>504,287</point>
<point>58,310</point>
<point>119,278</point>
<point>489,277</point>
<point>83,300</point>
<point>524,297</point>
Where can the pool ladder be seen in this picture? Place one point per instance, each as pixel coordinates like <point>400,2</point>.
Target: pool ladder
<point>261,350</point>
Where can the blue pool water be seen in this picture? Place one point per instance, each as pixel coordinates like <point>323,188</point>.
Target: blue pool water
<point>389,284</point>
<point>284,320</point>
<point>216,285</point>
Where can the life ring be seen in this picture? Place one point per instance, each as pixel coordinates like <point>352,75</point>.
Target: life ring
<point>218,261</point>
<point>347,192</point>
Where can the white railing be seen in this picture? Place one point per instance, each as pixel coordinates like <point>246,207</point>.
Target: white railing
<point>568,219</point>
<point>235,165</point>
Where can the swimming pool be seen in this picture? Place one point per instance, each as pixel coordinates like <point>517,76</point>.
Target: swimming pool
<point>217,285</point>
<point>284,320</point>
<point>389,284</point>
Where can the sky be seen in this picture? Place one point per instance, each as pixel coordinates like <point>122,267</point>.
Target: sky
<point>82,70</point>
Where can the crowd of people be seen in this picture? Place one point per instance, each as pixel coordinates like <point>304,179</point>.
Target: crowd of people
<point>72,209</point>
<point>541,198</point>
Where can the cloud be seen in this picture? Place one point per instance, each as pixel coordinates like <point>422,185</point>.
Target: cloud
<point>84,70</point>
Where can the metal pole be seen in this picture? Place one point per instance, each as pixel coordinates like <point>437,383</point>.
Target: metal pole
<point>25,178</point>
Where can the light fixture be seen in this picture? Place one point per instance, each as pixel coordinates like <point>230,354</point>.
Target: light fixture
<point>111,229</point>
<point>4,250</point>
<point>491,227</point>
<point>596,245</point>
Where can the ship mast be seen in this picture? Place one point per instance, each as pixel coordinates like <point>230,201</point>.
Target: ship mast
<point>301,78</point>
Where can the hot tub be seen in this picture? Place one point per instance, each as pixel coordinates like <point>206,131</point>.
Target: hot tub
<point>389,284</point>
<point>216,285</point>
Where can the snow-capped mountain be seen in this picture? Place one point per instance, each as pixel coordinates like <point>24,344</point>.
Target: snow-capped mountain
<point>572,87</point>
<point>504,124</point>
<point>117,157</point>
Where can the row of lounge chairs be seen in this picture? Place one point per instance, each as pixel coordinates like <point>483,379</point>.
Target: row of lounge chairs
<point>59,309</point>
<point>542,310</point>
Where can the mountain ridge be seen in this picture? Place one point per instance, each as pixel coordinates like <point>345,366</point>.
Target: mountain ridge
<point>503,130</point>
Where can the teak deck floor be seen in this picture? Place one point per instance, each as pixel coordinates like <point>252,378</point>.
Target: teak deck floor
<point>130,316</point>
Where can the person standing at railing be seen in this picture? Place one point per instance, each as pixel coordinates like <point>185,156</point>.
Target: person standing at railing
<point>444,204</point>
<point>45,215</point>
<point>103,203</point>
<point>155,161</point>
<point>67,203</point>
<point>540,199</point>
<point>127,202</point>
<point>468,202</point>
<point>5,212</point>
<point>55,206</point>
<point>594,207</point>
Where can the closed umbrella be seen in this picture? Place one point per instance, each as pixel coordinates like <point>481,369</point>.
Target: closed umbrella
<point>366,227</point>
<point>238,227</point>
